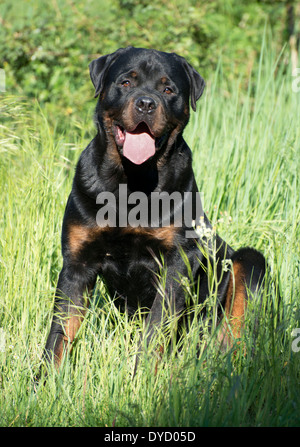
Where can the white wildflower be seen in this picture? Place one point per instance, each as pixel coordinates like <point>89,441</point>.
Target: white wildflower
<point>202,230</point>
<point>226,265</point>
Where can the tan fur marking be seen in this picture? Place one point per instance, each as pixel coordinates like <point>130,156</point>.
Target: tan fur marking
<point>59,349</point>
<point>160,121</point>
<point>65,344</point>
<point>71,327</point>
<point>112,151</point>
<point>80,235</point>
<point>235,306</point>
<point>165,234</point>
<point>128,115</point>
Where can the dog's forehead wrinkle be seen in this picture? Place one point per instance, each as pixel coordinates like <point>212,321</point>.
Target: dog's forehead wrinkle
<point>150,66</point>
<point>144,62</point>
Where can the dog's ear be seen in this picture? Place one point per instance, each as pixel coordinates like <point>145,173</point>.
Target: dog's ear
<point>197,83</point>
<point>98,69</point>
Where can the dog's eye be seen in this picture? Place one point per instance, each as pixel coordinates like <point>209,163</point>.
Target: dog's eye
<point>168,90</point>
<point>126,83</point>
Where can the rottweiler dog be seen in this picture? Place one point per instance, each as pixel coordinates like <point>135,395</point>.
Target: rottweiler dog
<point>134,205</point>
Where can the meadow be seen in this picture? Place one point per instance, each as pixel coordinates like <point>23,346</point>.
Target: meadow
<point>245,138</point>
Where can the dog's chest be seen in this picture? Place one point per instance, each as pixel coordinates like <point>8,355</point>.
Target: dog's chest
<point>127,247</point>
<point>120,251</point>
<point>129,262</point>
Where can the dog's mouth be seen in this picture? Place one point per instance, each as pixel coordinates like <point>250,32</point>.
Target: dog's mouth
<point>138,144</point>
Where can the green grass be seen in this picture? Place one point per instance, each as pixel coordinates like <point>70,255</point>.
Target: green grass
<point>245,138</point>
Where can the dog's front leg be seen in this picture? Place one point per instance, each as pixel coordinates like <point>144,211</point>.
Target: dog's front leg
<point>167,305</point>
<point>69,310</point>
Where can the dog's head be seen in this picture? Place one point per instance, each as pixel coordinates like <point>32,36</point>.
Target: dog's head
<point>144,99</point>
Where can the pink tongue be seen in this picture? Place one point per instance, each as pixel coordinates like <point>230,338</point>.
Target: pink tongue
<point>138,147</point>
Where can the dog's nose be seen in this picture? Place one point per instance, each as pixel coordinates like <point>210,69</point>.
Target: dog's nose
<point>145,104</point>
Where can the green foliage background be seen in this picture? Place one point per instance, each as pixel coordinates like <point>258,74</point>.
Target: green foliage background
<point>45,47</point>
